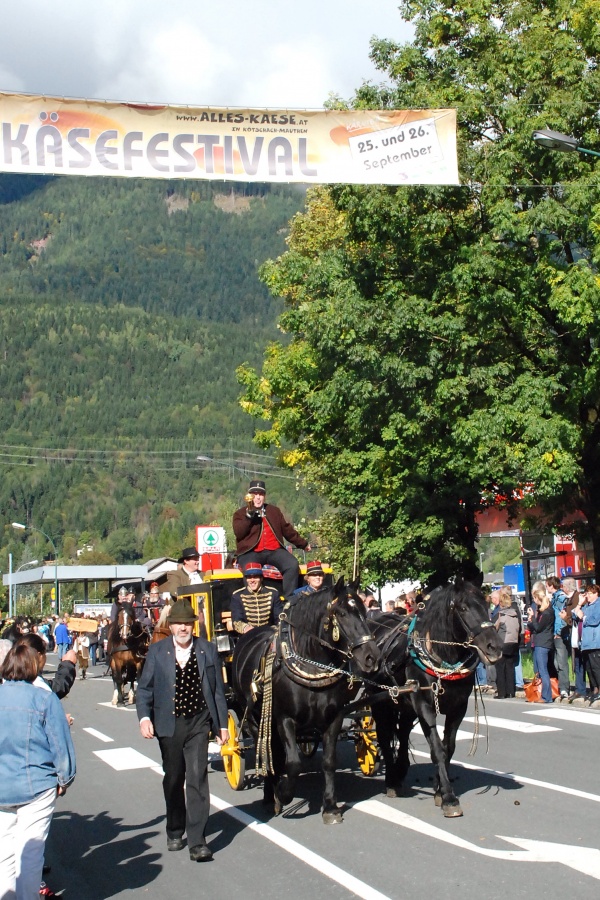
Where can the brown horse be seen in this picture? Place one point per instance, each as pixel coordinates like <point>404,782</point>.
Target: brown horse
<point>127,647</point>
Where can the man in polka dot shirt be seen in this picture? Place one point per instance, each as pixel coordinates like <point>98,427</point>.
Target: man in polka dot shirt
<point>179,695</point>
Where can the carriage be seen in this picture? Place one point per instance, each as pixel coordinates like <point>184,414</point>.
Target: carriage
<point>213,597</point>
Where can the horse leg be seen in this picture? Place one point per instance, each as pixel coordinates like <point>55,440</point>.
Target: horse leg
<point>384,714</point>
<point>331,814</point>
<point>286,784</point>
<point>116,677</point>
<point>406,721</point>
<point>453,720</point>
<point>131,673</point>
<point>443,794</point>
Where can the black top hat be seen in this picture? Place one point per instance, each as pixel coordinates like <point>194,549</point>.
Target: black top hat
<point>257,487</point>
<point>188,553</point>
<point>182,613</point>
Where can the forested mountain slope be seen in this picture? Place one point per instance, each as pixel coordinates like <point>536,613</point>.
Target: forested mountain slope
<point>125,308</point>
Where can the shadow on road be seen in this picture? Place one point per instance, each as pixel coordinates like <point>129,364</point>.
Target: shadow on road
<point>96,857</point>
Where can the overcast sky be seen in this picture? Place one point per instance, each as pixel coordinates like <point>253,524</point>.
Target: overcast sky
<point>257,53</point>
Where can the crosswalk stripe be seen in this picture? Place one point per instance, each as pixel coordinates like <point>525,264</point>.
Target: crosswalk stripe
<point>124,758</point>
<point>567,715</point>
<point>99,735</point>
<point>513,725</point>
<point>460,735</point>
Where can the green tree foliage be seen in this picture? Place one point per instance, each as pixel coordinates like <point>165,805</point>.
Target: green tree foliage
<point>446,340</point>
<point>125,308</point>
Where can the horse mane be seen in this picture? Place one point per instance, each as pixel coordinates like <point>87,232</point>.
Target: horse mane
<point>305,617</point>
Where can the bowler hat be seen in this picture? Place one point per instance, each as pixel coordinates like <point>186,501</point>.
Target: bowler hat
<point>257,487</point>
<point>253,570</point>
<point>314,568</point>
<point>188,553</point>
<point>182,614</point>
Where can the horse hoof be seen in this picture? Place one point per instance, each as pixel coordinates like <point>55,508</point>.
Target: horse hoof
<point>437,799</point>
<point>277,806</point>
<point>332,818</point>
<point>452,812</point>
<point>392,793</point>
<point>114,702</point>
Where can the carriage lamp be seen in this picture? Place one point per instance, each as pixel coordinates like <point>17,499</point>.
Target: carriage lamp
<point>555,140</point>
<point>222,640</point>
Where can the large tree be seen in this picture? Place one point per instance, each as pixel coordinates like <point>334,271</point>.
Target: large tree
<point>444,341</point>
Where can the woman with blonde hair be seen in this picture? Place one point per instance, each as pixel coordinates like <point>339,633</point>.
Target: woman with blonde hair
<point>541,625</point>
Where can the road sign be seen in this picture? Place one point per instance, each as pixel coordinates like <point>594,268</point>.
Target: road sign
<point>211,539</point>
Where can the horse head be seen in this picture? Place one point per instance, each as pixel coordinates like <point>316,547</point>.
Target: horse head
<point>345,627</point>
<point>470,612</point>
<point>125,621</point>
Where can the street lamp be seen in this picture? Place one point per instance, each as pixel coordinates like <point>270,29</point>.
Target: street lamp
<point>19,527</point>
<point>555,140</point>
<point>32,562</point>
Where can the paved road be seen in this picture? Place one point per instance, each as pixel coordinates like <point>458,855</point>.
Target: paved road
<point>530,827</point>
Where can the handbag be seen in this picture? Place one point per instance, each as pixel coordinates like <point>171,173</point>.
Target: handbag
<point>533,690</point>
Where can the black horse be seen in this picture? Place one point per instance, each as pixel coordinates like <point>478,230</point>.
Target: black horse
<point>323,644</point>
<point>127,647</point>
<point>20,625</point>
<point>438,650</point>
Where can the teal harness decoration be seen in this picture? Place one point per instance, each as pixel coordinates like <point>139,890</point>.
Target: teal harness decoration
<point>443,671</point>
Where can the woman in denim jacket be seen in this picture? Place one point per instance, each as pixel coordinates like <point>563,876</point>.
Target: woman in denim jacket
<point>37,763</point>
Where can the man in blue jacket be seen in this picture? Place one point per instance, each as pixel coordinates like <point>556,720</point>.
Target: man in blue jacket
<point>179,695</point>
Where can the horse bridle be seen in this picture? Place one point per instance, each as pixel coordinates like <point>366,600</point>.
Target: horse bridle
<point>335,635</point>
<point>471,635</point>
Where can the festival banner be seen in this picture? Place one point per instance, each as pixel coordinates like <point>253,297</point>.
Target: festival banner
<point>56,136</point>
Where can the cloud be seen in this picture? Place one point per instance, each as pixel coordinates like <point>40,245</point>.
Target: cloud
<point>264,53</point>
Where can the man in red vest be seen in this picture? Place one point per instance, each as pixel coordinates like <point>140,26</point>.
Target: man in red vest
<point>261,531</point>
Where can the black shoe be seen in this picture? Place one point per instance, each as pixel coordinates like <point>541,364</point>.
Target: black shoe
<point>201,853</point>
<point>175,843</point>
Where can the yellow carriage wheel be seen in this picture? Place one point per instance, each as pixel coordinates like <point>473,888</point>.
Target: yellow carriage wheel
<point>233,754</point>
<point>367,748</point>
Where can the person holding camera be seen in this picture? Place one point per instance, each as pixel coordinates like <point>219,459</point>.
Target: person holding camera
<point>261,530</point>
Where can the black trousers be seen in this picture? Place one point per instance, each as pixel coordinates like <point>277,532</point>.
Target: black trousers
<point>285,562</point>
<point>185,761</point>
<point>505,670</point>
<point>592,667</point>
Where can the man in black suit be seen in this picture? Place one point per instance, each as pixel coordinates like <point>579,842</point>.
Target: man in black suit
<point>180,693</point>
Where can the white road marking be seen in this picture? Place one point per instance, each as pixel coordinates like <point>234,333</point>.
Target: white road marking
<point>520,779</point>
<point>582,859</point>
<point>567,715</point>
<point>357,887</point>
<point>120,708</point>
<point>99,735</point>
<point>460,735</point>
<point>512,725</point>
<point>124,758</point>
